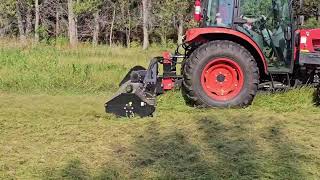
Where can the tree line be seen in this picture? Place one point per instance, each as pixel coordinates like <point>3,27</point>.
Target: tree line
<point>108,21</point>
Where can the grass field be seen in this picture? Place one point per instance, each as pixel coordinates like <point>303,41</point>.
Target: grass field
<point>53,125</point>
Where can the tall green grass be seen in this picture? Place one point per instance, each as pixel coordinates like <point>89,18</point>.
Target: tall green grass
<point>88,69</point>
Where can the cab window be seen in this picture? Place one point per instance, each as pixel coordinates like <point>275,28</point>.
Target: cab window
<point>220,13</point>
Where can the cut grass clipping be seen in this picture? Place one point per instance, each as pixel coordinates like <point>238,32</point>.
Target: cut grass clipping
<point>53,125</point>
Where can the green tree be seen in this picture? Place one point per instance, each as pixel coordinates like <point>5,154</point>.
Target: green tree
<point>7,16</point>
<point>170,16</point>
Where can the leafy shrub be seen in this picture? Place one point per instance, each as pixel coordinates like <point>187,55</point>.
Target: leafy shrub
<point>312,23</point>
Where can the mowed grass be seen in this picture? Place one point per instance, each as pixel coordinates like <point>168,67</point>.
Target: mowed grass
<point>53,125</point>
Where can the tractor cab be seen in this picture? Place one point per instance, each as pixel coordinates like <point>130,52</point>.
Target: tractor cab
<point>267,22</point>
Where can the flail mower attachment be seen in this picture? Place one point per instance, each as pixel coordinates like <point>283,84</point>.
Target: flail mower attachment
<point>140,88</point>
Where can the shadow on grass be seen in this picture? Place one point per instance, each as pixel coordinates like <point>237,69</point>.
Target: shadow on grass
<point>239,156</point>
<point>75,170</point>
<point>287,158</point>
<point>233,144</point>
<point>235,149</point>
<point>168,156</point>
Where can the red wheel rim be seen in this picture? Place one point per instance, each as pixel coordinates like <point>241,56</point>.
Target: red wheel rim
<point>222,79</point>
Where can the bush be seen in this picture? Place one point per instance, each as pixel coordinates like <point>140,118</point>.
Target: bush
<point>312,23</point>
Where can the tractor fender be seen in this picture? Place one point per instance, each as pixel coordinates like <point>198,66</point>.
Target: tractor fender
<point>213,33</point>
<point>310,40</point>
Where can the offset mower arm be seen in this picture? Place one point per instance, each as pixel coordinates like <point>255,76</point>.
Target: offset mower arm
<point>140,87</point>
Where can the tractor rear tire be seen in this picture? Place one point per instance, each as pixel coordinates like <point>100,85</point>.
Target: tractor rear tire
<point>220,74</point>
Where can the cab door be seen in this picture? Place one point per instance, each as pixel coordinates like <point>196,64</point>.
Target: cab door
<point>269,24</point>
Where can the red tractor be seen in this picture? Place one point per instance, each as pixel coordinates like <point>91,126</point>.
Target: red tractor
<point>240,46</point>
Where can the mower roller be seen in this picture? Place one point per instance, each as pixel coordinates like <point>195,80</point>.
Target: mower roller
<point>227,59</point>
